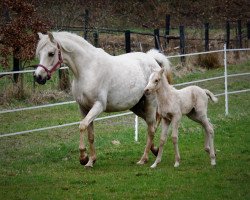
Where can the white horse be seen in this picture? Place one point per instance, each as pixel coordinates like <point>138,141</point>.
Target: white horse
<point>172,104</point>
<point>102,83</point>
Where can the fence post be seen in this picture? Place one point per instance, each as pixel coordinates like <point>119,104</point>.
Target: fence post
<point>86,24</point>
<point>136,128</point>
<point>206,36</point>
<point>248,30</point>
<point>239,36</point>
<point>127,41</point>
<point>167,29</point>
<point>227,34</point>
<point>16,64</point>
<point>182,43</point>
<point>95,35</point>
<point>225,74</point>
<point>157,39</point>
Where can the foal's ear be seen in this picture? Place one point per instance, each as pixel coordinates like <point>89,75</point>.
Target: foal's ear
<point>161,71</point>
<point>40,35</point>
<point>51,37</point>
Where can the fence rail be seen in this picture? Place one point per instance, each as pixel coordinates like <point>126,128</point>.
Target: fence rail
<point>226,93</point>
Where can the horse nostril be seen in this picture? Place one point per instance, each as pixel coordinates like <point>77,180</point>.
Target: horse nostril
<point>39,77</point>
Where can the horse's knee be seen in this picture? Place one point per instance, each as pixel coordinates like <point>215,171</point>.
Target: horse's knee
<point>83,125</point>
<point>175,139</point>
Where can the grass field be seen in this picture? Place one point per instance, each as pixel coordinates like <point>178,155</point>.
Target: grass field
<point>45,165</point>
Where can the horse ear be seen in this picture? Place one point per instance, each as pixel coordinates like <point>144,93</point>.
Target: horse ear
<point>40,35</point>
<point>51,37</point>
<point>161,71</point>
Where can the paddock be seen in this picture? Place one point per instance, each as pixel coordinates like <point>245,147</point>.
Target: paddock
<point>45,163</point>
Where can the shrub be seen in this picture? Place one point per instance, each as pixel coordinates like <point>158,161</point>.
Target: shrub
<point>209,61</point>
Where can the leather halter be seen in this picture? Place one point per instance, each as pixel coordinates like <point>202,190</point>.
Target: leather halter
<point>54,68</point>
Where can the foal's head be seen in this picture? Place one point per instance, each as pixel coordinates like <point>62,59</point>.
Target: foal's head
<point>154,82</point>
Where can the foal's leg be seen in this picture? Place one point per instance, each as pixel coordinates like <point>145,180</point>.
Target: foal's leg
<point>164,135</point>
<point>197,117</point>
<point>200,116</point>
<point>209,139</point>
<point>151,131</point>
<point>150,107</point>
<point>92,114</point>
<point>175,125</point>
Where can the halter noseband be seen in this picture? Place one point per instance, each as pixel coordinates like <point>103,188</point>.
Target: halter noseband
<point>59,62</point>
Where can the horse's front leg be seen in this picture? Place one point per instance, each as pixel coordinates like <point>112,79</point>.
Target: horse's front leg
<point>87,123</point>
<point>175,126</point>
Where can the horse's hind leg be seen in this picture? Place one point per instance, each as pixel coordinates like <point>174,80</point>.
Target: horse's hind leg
<point>92,157</point>
<point>209,138</point>
<point>201,118</point>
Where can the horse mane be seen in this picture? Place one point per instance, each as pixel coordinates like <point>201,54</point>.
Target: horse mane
<point>59,37</point>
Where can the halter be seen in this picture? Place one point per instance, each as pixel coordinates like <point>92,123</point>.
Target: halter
<point>54,68</point>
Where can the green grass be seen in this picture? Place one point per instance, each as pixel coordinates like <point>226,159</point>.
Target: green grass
<point>45,165</point>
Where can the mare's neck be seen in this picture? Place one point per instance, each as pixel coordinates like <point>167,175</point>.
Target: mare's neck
<point>79,56</point>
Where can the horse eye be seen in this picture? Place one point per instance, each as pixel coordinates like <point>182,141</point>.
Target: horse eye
<point>156,81</point>
<point>51,54</point>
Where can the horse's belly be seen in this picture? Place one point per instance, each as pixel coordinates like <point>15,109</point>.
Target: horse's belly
<point>123,102</point>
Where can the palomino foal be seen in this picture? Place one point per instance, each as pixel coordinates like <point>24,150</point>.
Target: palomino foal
<point>172,104</point>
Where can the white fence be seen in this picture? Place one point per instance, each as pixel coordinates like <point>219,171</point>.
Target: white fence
<point>226,93</point>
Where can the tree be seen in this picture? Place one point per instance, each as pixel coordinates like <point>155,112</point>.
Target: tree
<point>18,31</point>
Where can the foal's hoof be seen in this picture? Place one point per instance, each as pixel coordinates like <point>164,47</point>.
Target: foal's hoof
<point>213,162</point>
<point>142,162</point>
<point>84,160</point>
<point>153,166</point>
<point>154,150</point>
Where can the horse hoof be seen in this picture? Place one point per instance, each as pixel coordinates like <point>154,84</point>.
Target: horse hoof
<point>84,160</point>
<point>88,166</point>
<point>213,163</point>
<point>176,164</point>
<point>155,150</point>
<point>141,162</point>
<point>153,166</point>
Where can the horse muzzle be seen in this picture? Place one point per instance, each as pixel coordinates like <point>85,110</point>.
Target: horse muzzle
<point>39,79</point>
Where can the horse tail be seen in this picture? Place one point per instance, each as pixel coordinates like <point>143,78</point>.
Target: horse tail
<point>211,96</point>
<point>163,62</point>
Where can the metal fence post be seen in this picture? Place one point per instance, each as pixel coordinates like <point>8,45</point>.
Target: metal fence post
<point>157,39</point>
<point>239,36</point>
<point>136,128</point>
<point>86,24</point>
<point>96,42</point>
<point>206,36</point>
<point>225,74</point>
<point>228,34</point>
<point>127,41</point>
<point>182,43</point>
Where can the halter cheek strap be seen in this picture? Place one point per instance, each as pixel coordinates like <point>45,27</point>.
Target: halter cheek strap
<point>54,68</point>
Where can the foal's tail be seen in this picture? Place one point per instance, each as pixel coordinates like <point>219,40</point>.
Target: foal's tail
<point>163,62</point>
<point>211,96</point>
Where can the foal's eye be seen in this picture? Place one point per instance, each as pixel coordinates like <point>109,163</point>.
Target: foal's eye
<point>51,54</point>
<point>156,81</point>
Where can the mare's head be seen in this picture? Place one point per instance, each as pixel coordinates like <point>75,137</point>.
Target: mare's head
<point>154,82</point>
<point>49,53</point>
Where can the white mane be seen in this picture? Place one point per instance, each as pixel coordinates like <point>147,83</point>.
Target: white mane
<point>59,38</point>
